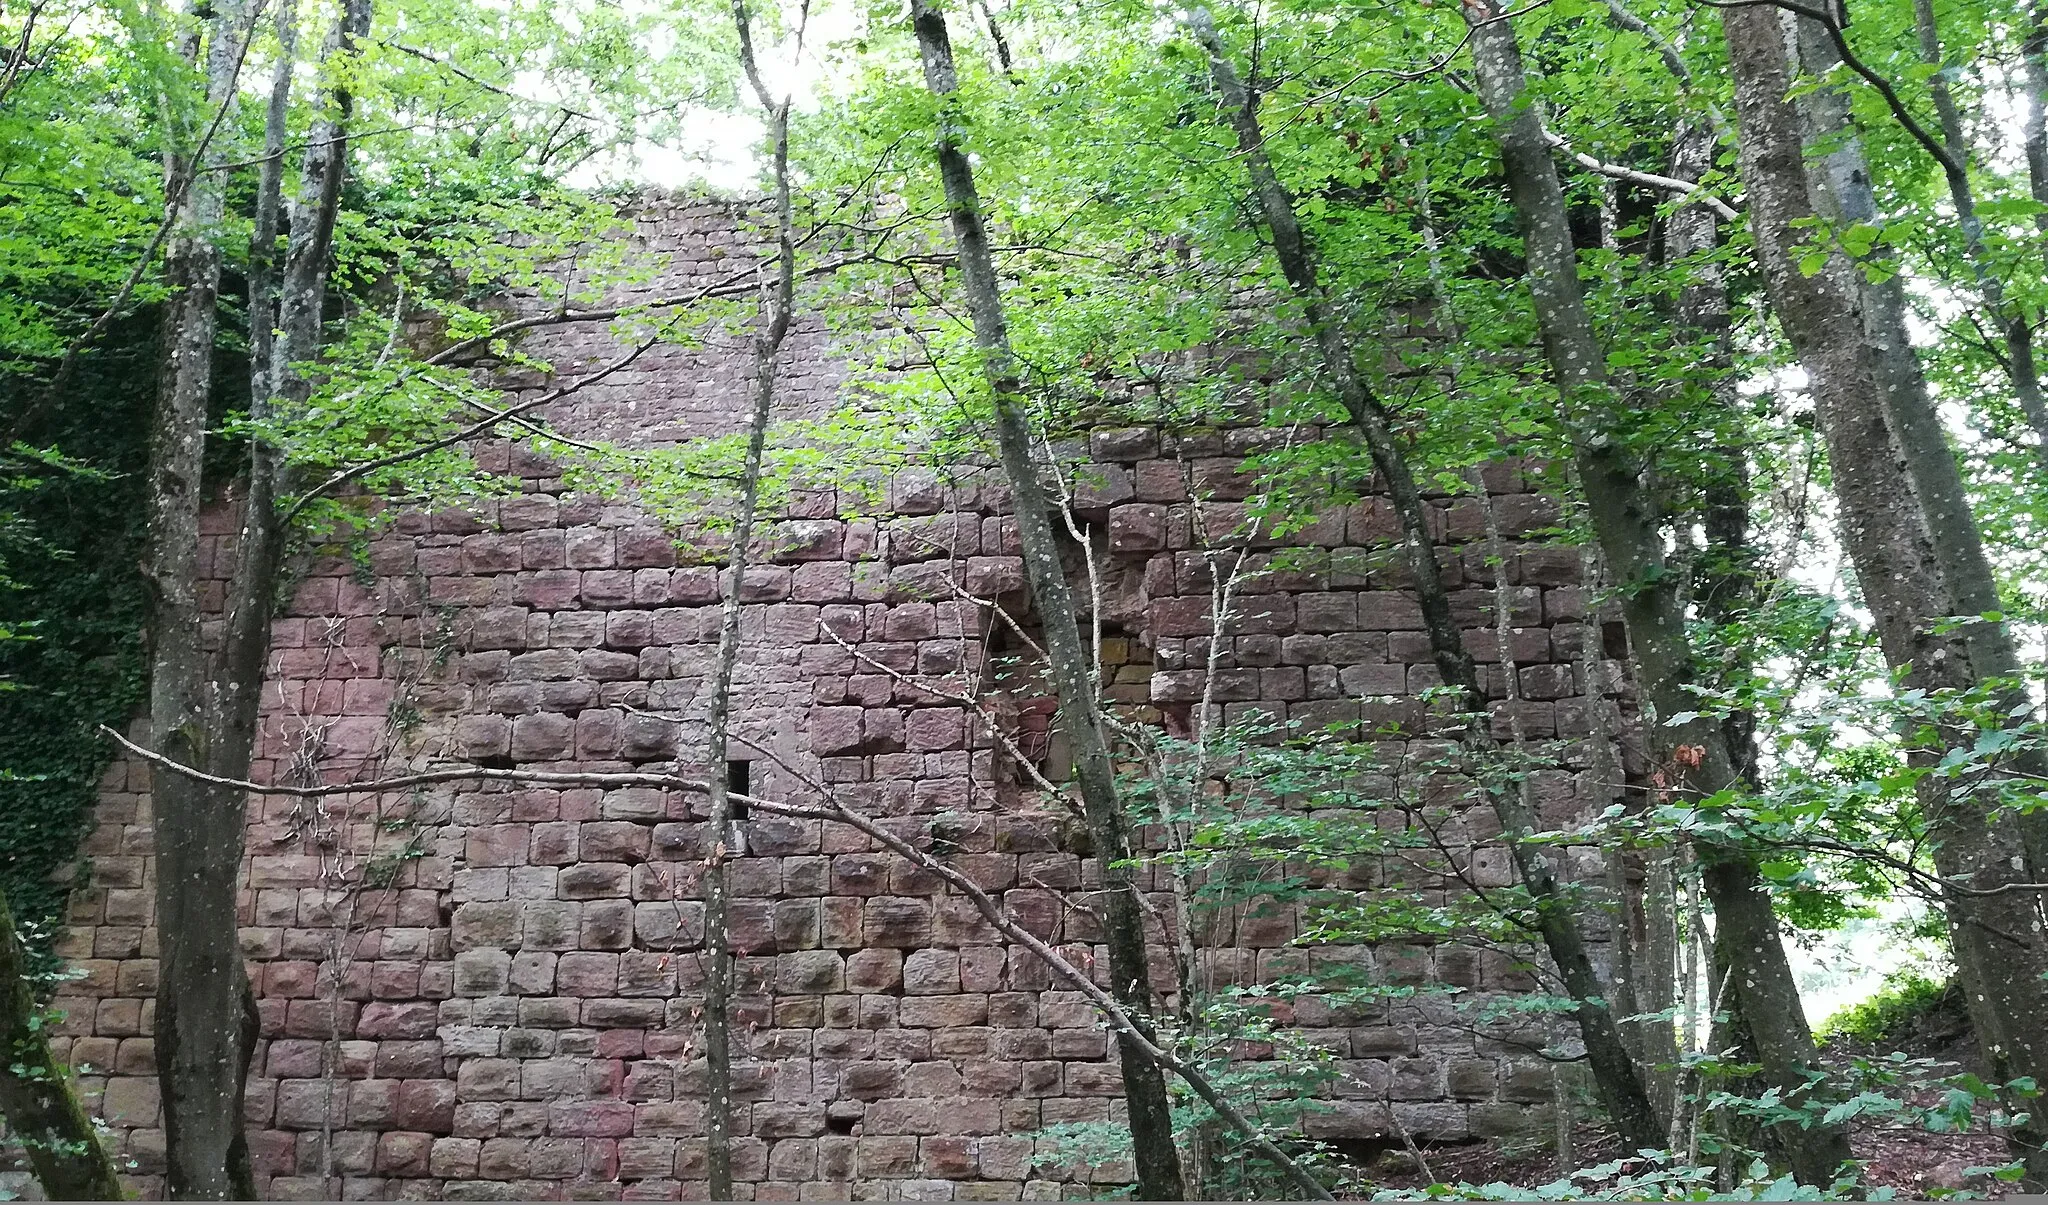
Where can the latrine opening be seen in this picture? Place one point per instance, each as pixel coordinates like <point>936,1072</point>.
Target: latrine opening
<point>739,780</point>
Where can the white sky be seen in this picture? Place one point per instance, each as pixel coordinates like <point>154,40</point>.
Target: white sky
<point>721,149</point>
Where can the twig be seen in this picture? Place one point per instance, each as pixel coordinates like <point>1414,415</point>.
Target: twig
<point>1693,193</point>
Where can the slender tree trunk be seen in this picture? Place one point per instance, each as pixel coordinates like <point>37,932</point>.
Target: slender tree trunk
<point>778,307</point>
<point>1621,1086</point>
<point>203,1036</point>
<point>1840,190</point>
<point>1151,1120</point>
<point>1627,524</point>
<point>36,1095</point>
<point>1724,587</point>
<point>1897,555</point>
<point>2034,81</point>
<point>2015,326</point>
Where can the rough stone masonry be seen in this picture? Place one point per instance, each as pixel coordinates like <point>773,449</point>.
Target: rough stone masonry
<point>488,992</point>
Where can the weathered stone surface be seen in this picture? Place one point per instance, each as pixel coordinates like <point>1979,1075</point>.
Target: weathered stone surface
<point>505,999</point>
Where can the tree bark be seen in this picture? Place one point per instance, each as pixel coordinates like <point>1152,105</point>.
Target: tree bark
<point>36,1095</point>
<point>778,307</point>
<point>210,706</point>
<point>2034,82</point>
<point>203,1038</point>
<point>1896,553</point>
<point>1839,189</point>
<point>1150,1117</point>
<point>1628,527</point>
<point>1724,586</point>
<point>1616,1075</point>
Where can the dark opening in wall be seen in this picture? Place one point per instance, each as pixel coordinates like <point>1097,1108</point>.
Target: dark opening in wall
<point>739,780</point>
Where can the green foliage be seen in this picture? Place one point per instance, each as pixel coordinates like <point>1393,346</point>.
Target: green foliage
<point>1902,999</point>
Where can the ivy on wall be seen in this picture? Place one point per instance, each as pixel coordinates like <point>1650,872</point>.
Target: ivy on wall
<point>72,613</point>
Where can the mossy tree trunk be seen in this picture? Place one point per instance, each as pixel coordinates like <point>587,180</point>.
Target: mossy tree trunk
<point>42,1109</point>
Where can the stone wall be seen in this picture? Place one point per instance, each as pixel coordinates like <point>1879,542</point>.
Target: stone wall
<point>488,991</point>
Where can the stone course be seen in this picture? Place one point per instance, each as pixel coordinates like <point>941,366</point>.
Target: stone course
<point>490,991</point>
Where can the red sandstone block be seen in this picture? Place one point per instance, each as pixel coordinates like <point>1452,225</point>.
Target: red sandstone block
<point>870,581</point>
<point>1180,617</point>
<point>411,1019</point>
<point>548,589</point>
<point>923,581</point>
<point>993,576</point>
<point>527,512</point>
<point>556,843</point>
<point>640,1158</point>
<point>317,1018</point>
<point>591,1119</point>
<point>982,968</point>
<point>835,730</point>
<point>1137,527</point>
<point>427,1105</point>
<point>645,548</point>
<point>491,552</point>
<point>933,728</point>
<point>765,583</point>
<point>408,1059</point>
<point>614,841</point>
<point>823,582</point>
<point>454,1158</point>
<point>542,737</point>
<point>882,731</point>
<point>502,1159</point>
<point>598,732</point>
<point>590,548</point>
<point>807,540</point>
<point>290,980</point>
<point>886,1158</point>
<point>587,974</point>
<point>629,629</point>
<point>549,925</point>
<point>404,1154</point>
<point>938,1012</point>
<point>693,587</point>
<point>603,665</point>
<point>498,844</point>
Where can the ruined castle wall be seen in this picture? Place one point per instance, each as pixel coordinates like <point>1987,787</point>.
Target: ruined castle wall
<point>490,991</point>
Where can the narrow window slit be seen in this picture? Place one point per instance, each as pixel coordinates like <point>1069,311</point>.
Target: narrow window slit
<point>739,780</point>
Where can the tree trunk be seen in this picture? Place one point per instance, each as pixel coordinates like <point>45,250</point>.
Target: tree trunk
<point>1998,944</point>
<point>1842,193</point>
<point>1724,586</point>
<point>203,1037</point>
<point>1626,522</point>
<point>1151,1120</point>
<point>778,306</point>
<point>2034,82</point>
<point>1621,1085</point>
<point>42,1109</point>
<point>207,708</point>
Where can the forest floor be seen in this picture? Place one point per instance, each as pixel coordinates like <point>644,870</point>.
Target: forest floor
<point>1905,1157</point>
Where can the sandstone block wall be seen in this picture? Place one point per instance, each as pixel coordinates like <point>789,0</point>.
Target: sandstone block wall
<point>488,991</point>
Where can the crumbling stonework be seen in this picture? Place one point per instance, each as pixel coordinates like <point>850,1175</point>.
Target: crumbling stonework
<point>487,991</point>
